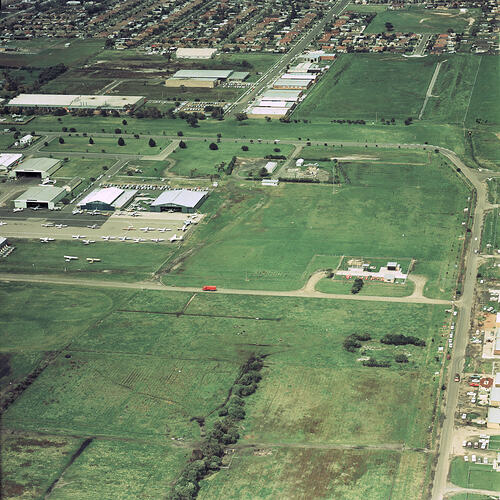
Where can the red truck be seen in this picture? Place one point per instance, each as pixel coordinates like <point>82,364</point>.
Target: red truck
<point>209,288</point>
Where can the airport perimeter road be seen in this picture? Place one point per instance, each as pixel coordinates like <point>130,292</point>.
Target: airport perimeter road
<point>155,285</point>
<point>462,327</point>
<point>272,73</point>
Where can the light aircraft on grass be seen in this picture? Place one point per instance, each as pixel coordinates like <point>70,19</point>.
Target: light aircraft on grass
<point>78,236</point>
<point>48,224</point>
<point>91,260</point>
<point>46,240</point>
<point>163,229</point>
<point>157,240</point>
<point>93,226</point>
<point>129,228</point>
<point>146,229</point>
<point>18,210</point>
<point>59,226</point>
<point>124,238</point>
<point>176,238</point>
<point>107,238</point>
<point>139,240</point>
<point>70,257</point>
<point>88,242</point>
<point>2,223</point>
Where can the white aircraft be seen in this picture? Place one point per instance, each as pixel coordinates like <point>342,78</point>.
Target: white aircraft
<point>88,242</point>
<point>2,223</point>
<point>107,238</point>
<point>187,222</point>
<point>139,240</point>
<point>18,210</point>
<point>93,226</point>
<point>123,238</point>
<point>135,214</point>
<point>36,208</point>
<point>59,226</point>
<point>176,238</point>
<point>46,240</point>
<point>77,211</point>
<point>163,229</point>
<point>157,240</point>
<point>129,228</point>
<point>70,257</point>
<point>48,224</point>
<point>78,236</point>
<point>91,260</point>
<point>183,228</point>
<point>146,229</point>
<point>95,212</point>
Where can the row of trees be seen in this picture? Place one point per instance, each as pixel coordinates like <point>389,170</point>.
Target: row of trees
<point>208,458</point>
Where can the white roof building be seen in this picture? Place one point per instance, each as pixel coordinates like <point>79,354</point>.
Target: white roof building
<point>107,198</point>
<point>195,53</point>
<point>7,160</point>
<point>270,166</point>
<point>76,101</point>
<point>183,200</point>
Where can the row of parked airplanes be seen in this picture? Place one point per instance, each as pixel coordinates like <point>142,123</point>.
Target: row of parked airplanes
<point>120,238</point>
<point>90,260</point>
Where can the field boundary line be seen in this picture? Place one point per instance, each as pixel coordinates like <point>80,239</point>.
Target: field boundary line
<point>472,91</point>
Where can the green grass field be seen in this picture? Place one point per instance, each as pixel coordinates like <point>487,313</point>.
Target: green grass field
<point>265,238</point>
<point>490,240</point>
<point>417,20</point>
<point>344,286</point>
<point>136,366</point>
<point>475,476</point>
<point>119,261</point>
<point>106,144</point>
<point>494,443</point>
<point>83,167</point>
<point>199,159</point>
<point>340,95</point>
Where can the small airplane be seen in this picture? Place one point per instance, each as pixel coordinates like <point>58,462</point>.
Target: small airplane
<point>70,257</point>
<point>139,240</point>
<point>146,229</point>
<point>187,222</point>
<point>123,238</point>
<point>36,208</point>
<point>95,212</point>
<point>157,240</point>
<point>2,223</point>
<point>129,228</point>
<point>176,238</point>
<point>18,210</point>
<point>46,240</point>
<point>107,238</point>
<point>48,224</point>
<point>88,242</point>
<point>59,226</point>
<point>93,226</point>
<point>163,229</point>
<point>91,260</point>
<point>135,214</point>
<point>77,211</point>
<point>78,236</point>
<point>183,228</point>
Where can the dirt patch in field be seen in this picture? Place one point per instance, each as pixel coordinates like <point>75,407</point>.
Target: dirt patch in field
<point>12,489</point>
<point>5,369</point>
<point>21,443</point>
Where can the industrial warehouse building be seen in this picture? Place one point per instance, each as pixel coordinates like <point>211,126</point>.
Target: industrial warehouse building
<point>9,160</point>
<point>40,196</point>
<point>493,421</point>
<point>40,168</point>
<point>179,200</point>
<point>207,78</point>
<point>193,53</point>
<point>287,83</point>
<point>116,102</point>
<point>3,242</point>
<point>107,199</point>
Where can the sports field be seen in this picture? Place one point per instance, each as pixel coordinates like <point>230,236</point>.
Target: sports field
<point>475,476</point>
<point>198,159</point>
<point>265,238</point>
<point>417,20</point>
<point>490,240</point>
<point>133,367</point>
<point>358,86</point>
<point>106,145</point>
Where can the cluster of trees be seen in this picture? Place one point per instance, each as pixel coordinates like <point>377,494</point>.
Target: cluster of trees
<point>372,362</point>
<point>399,339</point>
<point>230,166</point>
<point>357,285</point>
<point>350,122</point>
<point>353,342</point>
<point>208,458</point>
<point>305,180</point>
<point>409,121</point>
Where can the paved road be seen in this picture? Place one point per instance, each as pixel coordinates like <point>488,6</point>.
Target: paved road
<point>272,73</point>
<point>420,48</point>
<point>462,327</point>
<point>152,285</point>
<point>430,88</point>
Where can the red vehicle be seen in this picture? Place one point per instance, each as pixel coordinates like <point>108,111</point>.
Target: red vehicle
<point>209,288</point>
<point>457,377</point>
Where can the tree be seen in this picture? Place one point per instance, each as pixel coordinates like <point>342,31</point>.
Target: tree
<point>152,143</point>
<point>192,120</point>
<point>91,141</point>
<point>182,145</point>
<point>61,140</point>
<point>401,358</point>
<point>241,116</point>
<point>118,131</point>
<point>389,26</point>
<point>121,142</point>
<point>244,148</point>
<point>124,122</point>
<point>180,133</point>
<point>213,146</point>
<point>357,285</point>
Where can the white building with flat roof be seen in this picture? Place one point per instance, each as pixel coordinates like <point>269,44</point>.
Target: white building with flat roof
<point>195,53</point>
<point>9,160</point>
<point>40,168</point>
<point>40,196</point>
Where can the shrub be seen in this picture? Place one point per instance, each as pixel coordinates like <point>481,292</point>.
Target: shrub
<point>121,142</point>
<point>61,140</point>
<point>213,146</point>
<point>357,285</point>
<point>244,148</point>
<point>401,358</point>
<point>372,362</point>
<point>398,339</point>
<point>152,143</point>
<point>91,141</point>
<point>182,145</point>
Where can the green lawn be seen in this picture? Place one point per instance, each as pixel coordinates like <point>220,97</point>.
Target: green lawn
<point>358,86</point>
<point>83,167</point>
<point>119,261</point>
<point>494,443</point>
<point>199,159</point>
<point>265,238</point>
<point>417,20</point>
<point>490,240</point>
<point>106,144</point>
<point>344,286</point>
<point>475,476</point>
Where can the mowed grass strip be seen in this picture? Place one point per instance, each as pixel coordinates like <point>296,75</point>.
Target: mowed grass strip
<point>106,144</point>
<point>303,473</point>
<point>369,87</point>
<point>490,240</point>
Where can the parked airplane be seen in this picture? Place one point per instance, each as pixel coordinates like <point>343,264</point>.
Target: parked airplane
<point>77,211</point>
<point>46,240</point>
<point>135,214</point>
<point>88,242</point>
<point>176,238</point>
<point>183,228</point>
<point>91,260</point>
<point>59,226</point>
<point>129,228</point>
<point>123,238</point>
<point>146,229</point>
<point>107,238</point>
<point>18,210</point>
<point>163,229</point>
<point>93,226</point>
<point>36,208</point>
<point>48,224</point>
<point>157,240</point>
<point>2,223</point>
<point>139,240</point>
<point>95,212</point>
<point>78,236</point>
<point>70,257</point>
